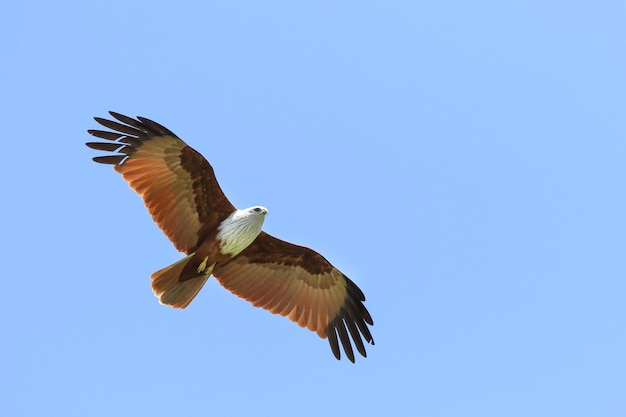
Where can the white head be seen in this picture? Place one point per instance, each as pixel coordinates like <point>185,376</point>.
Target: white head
<point>240,229</point>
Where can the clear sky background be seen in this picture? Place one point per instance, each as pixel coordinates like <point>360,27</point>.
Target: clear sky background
<point>462,161</point>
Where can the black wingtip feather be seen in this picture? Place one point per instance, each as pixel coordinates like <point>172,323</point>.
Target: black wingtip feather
<point>334,343</point>
<point>100,146</point>
<point>354,332</point>
<point>125,119</point>
<point>345,341</point>
<point>104,134</point>
<point>129,130</point>
<point>156,127</point>
<point>109,159</point>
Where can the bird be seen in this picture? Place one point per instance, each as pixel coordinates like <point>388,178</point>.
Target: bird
<point>179,188</point>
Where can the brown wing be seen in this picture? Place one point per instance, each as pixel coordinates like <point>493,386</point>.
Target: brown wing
<point>301,284</point>
<point>177,184</point>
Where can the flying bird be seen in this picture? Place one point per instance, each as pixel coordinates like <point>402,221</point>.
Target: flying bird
<point>179,189</point>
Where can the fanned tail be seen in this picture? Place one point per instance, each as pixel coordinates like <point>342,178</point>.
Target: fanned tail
<point>168,287</point>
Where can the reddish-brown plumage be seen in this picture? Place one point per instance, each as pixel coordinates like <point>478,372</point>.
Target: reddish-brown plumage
<point>179,188</point>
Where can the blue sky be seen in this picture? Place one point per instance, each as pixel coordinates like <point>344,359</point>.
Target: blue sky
<point>462,162</point>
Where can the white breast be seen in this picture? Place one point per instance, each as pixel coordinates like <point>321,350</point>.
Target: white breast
<point>240,229</point>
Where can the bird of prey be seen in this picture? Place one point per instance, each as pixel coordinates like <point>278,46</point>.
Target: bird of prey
<point>179,188</point>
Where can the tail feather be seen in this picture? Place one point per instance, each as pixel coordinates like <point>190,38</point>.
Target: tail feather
<point>171,291</point>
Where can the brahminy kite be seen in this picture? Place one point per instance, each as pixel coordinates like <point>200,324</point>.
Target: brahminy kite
<point>179,188</point>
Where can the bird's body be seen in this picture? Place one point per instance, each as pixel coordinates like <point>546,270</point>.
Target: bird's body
<point>234,234</point>
<point>181,193</point>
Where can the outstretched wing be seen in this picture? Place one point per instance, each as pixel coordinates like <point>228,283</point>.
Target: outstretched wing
<point>301,284</point>
<point>177,184</point>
